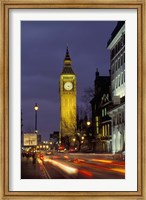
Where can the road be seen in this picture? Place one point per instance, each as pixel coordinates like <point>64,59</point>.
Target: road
<point>81,166</point>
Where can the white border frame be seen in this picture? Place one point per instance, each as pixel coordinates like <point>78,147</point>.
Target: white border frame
<point>15,17</point>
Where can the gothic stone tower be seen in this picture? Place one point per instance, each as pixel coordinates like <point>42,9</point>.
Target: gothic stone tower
<point>67,99</point>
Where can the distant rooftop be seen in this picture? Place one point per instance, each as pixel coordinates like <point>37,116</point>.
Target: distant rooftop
<point>115,31</point>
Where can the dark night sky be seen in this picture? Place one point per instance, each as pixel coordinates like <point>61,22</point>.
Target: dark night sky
<point>43,48</point>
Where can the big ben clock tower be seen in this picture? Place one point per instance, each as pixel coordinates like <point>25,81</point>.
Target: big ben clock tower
<point>67,90</point>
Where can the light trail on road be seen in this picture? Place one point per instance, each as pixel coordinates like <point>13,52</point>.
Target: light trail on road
<point>65,168</point>
<point>75,166</point>
<point>106,168</point>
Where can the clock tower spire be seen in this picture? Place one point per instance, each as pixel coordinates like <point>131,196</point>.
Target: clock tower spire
<point>67,88</point>
<point>67,68</point>
<point>67,56</point>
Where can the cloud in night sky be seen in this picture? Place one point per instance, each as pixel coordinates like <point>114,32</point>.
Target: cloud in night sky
<point>43,48</point>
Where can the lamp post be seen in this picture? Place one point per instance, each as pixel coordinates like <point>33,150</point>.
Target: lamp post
<point>88,128</point>
<point>36,109</point>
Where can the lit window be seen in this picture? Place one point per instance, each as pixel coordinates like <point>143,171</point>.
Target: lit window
<point>108,129</point>
<point>96,118</point>
<point>103,130</point>
<point>105,111</point>
<point>102,112</point>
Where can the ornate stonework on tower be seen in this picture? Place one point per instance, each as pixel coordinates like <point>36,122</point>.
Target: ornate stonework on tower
<point>67,88</point>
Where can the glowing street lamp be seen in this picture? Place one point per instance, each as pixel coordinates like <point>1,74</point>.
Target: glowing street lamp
<point>36,109</point>
<point>88,128</point>
<point>88,123</point>
<point>74,139</point>
<point>82,137</point>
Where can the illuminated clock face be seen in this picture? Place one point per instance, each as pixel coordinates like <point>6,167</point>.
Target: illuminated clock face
<point>68,86</point>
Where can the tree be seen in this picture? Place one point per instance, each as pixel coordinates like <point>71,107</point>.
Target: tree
<point>86,98</point>
<point>88,95</point>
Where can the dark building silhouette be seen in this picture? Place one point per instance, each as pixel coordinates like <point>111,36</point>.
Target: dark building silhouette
<point>101,124</point>
<point>55,137</point>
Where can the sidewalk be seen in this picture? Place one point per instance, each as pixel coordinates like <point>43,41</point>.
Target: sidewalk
<point>116,156</point>
<point>28,171</point>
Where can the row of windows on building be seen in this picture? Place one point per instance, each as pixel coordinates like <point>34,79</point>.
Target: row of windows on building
<point>119,45</point>
<point>119,118</point>
<point>118,63</point>
<point>97,124</point>
<point>118,81</point>
<point>106,130</point>
<point>104,113</point>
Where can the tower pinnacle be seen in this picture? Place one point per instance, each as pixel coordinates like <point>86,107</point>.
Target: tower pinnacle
<point>67,68</point>
<point>67,56</point>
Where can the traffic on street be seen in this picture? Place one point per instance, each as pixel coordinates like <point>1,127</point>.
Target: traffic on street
<point>56,165</point>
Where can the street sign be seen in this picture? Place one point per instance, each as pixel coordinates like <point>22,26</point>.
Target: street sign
<point>30,139</point>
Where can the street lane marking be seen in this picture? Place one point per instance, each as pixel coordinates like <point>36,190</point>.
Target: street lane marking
<point>46,172</point>
<point>41,163</point>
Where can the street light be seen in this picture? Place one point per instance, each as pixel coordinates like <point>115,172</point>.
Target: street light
<point>36,109</point>
<point>88,128</point>
<point>82,137</point>
<point>88,123</point>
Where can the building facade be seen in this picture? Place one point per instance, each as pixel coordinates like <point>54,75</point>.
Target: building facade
<point>101,123</point>
<point>116,46</point>
<point>106,133</point>
<point>67,88</point>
